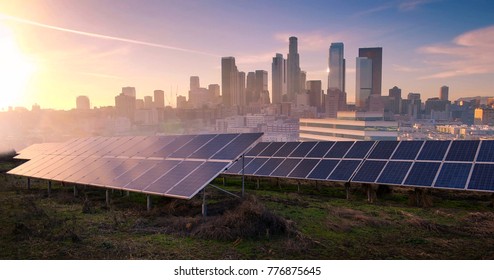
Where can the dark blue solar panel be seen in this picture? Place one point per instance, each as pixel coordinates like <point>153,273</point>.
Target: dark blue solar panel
<point>453,175</point>
<point>369,171</point>
<point>176,144</point>
<point>407,150</point>
<point>287,149</point>
<point>463,150</point>
<point>257,149</point>
<point>303,169</point>
<point>482,177</point>
<point>271,149</point>
<point>286,167</point>
<point>320,149</point>
<point>269,167</point>
<point>303,149</point>
<point>153,174</point>
<point>236,168</point>
<point>344,170</point>
<point>323,169</point>
<point>254,165</point>
<point>213,146</point>
<point>486,153</point>
<point>433,150</point>
<point>339,149</point>
<point>235,148</point>
<point>383,150</point>
<point>394,172</point>
<point>172,177</point>
<point>360,149</point>
<point>192,146</point>
<point>422,174</point>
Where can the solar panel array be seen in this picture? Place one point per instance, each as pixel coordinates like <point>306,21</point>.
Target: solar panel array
<point>460,164</point>
<point>175,166</point>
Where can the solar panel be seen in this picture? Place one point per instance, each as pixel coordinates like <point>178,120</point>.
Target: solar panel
<point>176,144</point>
<point>422,174</point>
<point>255,164</point>
<point>303,149</point>
<point>360,149</point>
<point>268,167</point>
<point>287,149</point>
<point>394,172</point>
<point>62,161</point>
<point>369,171</point>
<point>101,148</point>
<point>112,170</point>
<point>486,152</point>
<point>238,146</point>
<point>463,150</point>
<point>192,146</point>
<point>145,144</point>
<point>73,167</point>
<point>482,177</point>
<point>197,180</point>
<point>155,147</point>
<point>453,175</point>
<point>339,149</point>
<point>383,150</point>
<point>286,167</point>
<point>170,179</point>
<point>433,150</point>
<point>303,169</point>
<point>153,174</point>
<point>271,149</point>
<point>320,149</point>
<point>213,146</point>
<point>323,169</point>
<point>96,165</point>
<point>236,168</point>
<point>407,150</point>
<point>257,149</point>
<point>344,170</point>
<point>32,169</point>
<point>133,141</point>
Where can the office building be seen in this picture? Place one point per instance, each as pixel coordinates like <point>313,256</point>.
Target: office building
<point>293,70</point>
<point>444,93</point>
<point>336,64</point>
<point>214,90</point>
<point>395,100</point>
<point>82,103</point>
<point>229,80</point>
<point>363,87</point>
<point>278,79</point>
<point>194,82</point>
<point>129,91</point>
<point>159,98</point>
<point>314,90</point>
<point>241,89</point>
<point>148,102</point>
<point>376,55</point>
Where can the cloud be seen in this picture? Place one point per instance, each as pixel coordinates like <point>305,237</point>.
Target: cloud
<point>100,75</point>
<point>404,6</point>
<point>102,36</point>
<point>468,54</point>
<point>406,69</point>
<point>411,5</point>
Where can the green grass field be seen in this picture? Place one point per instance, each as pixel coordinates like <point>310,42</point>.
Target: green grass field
<point>272,222</point>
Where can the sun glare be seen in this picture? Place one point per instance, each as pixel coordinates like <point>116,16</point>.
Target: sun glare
<point>15,70</point>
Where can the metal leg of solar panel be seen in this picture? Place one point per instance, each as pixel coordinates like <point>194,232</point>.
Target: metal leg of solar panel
<point>49,188</point>
<point>107,198</point>
<point>243,175</point>
<point>347,190</point>
<point>75,190</point>
<point>28,183</point>
<point>204,206</point>
<point>225,191</point>
<point>148,202</point>
<point>127,193</point>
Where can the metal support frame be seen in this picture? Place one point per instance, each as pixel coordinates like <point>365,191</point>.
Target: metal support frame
<point>28,183</point>
<point>347,190</point>
<point>225,191</point>
<point>49,188</point>
<point>298,185</point>
<point>75,191</point>
<point>258,183</point>
<point>243,175</point>
<point>148,202</point>
<point>108,198</point>
<point>127,193</point>
<point>204,205</point>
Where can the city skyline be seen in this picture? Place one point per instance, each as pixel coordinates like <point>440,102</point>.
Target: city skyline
<point>64,49</point>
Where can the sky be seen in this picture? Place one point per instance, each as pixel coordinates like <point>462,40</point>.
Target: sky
<point>52,51</point>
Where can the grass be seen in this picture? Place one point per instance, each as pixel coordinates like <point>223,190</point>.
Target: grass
<point>278,220</point>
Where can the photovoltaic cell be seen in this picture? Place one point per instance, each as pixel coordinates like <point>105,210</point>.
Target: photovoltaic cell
<point>339,149</point>
<point>394,172</point>
<point>287,149</point>
<point>463,150</point>
<point>173,146</point>
<point>303,149</point>
<point>155,147</point>
<point>271,149</point>
<point>255,164</point>
<point>422,174</point>
<point>236,168</point>
<point>320,149</point>
<point>235,148</point>
<point>359,149</point>
<point>153,174</point>
<point>486,153</point>
<point>303,169</point>
<point>103,171</point>
<point>192,146</point>
<point>73,167</point>
<point>433,150</point>
<point>383,150</point>
<point>96,165</point>
<point>62,161</point>
<point>170,179</point>
<point>453,175</point>
<point>369,171</point>
<point>197,180</point>
<point>269,167</point>
<point>111,171</point>
<point>344,170</point>
<point>286,167</point>
<point>257,149</point>
<point>39,165</point>
<point>133,173</point>
<point>134,141</point>
<point>408,150</point>
<point>323,169</point>
<point>145,144</point>
<point>213,146</point>
<point>482,177</point>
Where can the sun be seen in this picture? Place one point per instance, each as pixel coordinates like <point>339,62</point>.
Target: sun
<point>15,70</point>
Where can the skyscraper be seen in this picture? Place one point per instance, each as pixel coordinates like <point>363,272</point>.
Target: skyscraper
<point>148,102</point>
<point>194,83</point>
<point>229,80</point>
<point>129,91</point>
<point>250,87</point>
<point>241,88</point>
<point>82,103</point>
<point>444,93</point>
<point>293,70</point>
<point>278,79</point>
<point>336,64</point>
<point>314,89</point>
<point>376,55</point>
<point>363,82</point>
<point>159,99</point>
<point>395,99</point>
